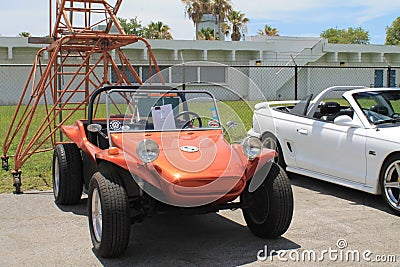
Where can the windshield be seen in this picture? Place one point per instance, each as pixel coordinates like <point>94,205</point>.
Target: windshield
<point>160,110</point>
<point>380,106</point>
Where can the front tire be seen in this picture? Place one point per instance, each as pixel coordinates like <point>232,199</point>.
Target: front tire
<point>390,183</point>
<point>67,174</point>
<point>109,217</point>
<point>268,211</point>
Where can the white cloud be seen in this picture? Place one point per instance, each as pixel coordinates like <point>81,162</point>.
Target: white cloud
<point>372,9</point>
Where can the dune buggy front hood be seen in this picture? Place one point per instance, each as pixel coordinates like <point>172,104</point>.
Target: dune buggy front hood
<point>188,155</point>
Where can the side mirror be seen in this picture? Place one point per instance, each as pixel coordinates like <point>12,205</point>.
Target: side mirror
<point>231,125</point>
<point>94,128</point>
<point>345,120</point>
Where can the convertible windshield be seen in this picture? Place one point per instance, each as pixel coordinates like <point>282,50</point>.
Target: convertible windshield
<point>380,106</point>
<point>160,110</point>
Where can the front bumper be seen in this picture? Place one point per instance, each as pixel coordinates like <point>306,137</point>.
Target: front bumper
<point>251,132</point>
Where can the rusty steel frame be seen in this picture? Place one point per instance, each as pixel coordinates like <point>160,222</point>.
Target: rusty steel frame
<point>80,53</point>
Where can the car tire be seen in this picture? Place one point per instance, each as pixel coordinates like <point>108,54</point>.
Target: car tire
<point>270,141</point>
<point>268,211</point>
<point>109,217</point>
<point>67,174</point>
<point>390,183</point>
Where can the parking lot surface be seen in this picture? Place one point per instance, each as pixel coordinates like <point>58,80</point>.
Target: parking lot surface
<point>332,225</point>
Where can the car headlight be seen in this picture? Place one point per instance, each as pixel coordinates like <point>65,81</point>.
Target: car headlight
<point>252,147</point>
<point>147,151</point>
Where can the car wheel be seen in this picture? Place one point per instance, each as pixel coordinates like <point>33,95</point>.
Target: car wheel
<point>268,211</point>
<point>390,183</point>
<point>67,174</point>
<point>109,218</point>
<point>270,141</point>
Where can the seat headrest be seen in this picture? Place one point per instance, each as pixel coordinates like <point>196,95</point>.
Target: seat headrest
<point>380,109</point>
<point>329,107</point>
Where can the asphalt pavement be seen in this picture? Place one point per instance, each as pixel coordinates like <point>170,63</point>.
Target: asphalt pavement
<point>332,226</point>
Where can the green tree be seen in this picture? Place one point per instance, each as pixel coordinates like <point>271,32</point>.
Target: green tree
<point>24,34</point>
<point>207,34</point>
<point>268,31</point>
<point>350,36</point>
<point>194,11</point>
<point>157,30</point>
<point>238,24</point>
<point>393,33</point>
<point>131,26</point>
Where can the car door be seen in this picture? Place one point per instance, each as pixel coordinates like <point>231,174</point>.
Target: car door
<point>330,149</point>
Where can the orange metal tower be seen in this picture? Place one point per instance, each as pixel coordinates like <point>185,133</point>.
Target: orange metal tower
<point>82,51</point>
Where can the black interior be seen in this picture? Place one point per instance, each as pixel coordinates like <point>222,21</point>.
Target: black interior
<point>329,111</point>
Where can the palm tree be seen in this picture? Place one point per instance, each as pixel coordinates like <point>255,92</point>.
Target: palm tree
<point>194,11</point>
<point>207,34</point>
<point>157,30</point>
<point>220,9</point>
<point>24,34</point>
<point>268,31</point>
<point>238,22</point>
<point>131,26</point>
<point>207,6</point>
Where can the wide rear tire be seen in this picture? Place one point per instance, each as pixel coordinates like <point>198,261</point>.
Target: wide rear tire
<point>268,211</point>
<point>109,217</point>
<point>67,174</point>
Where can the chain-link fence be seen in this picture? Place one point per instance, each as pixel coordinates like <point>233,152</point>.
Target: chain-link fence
<point>237,88</point>
<point>253,83</point>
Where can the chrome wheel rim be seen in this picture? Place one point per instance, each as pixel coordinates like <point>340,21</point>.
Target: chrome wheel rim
<point>270,143</point>
<point>97,216</point>
<point>391,184</point>
<point>56,184</point>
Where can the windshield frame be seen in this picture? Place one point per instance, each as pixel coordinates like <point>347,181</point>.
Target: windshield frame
<point>162,91</point>
<point>376,117</point>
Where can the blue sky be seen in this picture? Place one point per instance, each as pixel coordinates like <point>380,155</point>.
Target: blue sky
<point>291,17</point>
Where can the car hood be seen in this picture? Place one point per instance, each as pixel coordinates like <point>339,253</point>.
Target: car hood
<point>188,155</point>
<point>390,133</point>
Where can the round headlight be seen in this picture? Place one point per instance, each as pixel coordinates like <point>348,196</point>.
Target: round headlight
<point>252,147</point>
<point>147,151</point>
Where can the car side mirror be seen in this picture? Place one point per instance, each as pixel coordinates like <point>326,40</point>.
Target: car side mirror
<point>231,125</point>
<point>94,128</point>
<point>345,120</point>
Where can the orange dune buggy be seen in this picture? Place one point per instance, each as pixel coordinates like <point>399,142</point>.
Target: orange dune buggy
<point>160,150</point>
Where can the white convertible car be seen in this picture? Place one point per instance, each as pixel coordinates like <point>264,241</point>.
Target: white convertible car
<point>346,135</point>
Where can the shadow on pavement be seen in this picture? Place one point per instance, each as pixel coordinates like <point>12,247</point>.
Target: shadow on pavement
<point>201,240</point>
<point>79,209</point>
<point>355,196</point>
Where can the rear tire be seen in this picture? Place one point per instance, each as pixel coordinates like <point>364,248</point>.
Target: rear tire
<point>67,174</point>
<point>109,217</point>
<point>268,211</point>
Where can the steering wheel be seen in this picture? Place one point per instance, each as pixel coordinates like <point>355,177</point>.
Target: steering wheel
<point>189,123</point>
<point>395,115</point>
